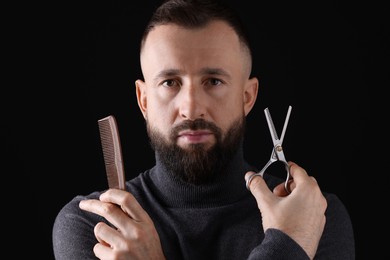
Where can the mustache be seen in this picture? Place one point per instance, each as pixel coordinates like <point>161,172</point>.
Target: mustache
<point>196,125</point>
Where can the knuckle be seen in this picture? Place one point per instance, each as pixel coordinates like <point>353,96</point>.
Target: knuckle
<point>138,233</point>
<point>108,208</point>
<point>127,199</point>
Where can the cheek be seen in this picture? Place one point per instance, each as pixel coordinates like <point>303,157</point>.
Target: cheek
<point>228,110</point>
<point>159,116</point>
<point>227,118</point>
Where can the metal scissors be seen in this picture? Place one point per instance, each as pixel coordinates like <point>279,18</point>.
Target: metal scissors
<point>277,151</point>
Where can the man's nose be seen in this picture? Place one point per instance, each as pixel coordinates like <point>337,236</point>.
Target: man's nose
<point>191,103</point>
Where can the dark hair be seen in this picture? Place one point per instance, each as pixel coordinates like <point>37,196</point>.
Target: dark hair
<point>195,14</point>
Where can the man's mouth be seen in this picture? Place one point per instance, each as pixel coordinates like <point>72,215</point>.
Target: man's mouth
<point>195,136</point>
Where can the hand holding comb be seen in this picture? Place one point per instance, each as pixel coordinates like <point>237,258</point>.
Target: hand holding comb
<point>112,152</point>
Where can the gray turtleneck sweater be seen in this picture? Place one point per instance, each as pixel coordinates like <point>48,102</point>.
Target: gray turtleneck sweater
<point>220,220</point>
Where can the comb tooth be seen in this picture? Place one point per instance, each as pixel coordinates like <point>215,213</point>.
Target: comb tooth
<point>107,141</point>
<point>112,153</point>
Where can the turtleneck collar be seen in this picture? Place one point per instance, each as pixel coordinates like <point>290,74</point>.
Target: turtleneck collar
<point>226,189</point>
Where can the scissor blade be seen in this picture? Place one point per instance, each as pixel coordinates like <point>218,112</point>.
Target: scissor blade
<point>272,129</point>
<point>271,126</point>
<point>285,123</point>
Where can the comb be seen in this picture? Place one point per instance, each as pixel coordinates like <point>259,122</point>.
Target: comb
<point>112,152</point>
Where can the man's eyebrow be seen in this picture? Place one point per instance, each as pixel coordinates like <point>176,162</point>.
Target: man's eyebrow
<point>214,71</point>
<point>168,73</point>
<point>204,71</point>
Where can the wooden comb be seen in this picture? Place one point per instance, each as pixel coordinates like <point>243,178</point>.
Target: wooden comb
<point>112,152</point>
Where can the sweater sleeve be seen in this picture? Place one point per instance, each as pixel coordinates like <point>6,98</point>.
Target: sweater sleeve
<point>336,243</point>
<point>73,236</point>
<point>278,245</point>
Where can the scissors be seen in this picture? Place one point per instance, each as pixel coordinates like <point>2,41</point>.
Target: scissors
<point>277,151</point>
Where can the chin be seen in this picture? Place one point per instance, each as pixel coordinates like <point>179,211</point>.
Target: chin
<point>195,146</point>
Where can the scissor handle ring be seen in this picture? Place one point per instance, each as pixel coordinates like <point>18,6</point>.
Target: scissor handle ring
<point>288,178</point>
<point>261,173</point>
<point>248,181</point>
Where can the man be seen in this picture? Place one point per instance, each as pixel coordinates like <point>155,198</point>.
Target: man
<point>193,204</point>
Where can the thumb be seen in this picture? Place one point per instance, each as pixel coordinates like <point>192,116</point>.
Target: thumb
<point>258,188</point>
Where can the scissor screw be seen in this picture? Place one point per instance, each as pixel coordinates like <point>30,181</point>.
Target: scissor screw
<point>279,148</point>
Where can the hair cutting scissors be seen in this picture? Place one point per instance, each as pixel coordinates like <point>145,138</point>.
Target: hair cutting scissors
<point>277,151</point>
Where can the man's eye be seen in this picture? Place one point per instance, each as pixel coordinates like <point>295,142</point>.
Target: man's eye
<point>169,83</point>
<point>215,82</point>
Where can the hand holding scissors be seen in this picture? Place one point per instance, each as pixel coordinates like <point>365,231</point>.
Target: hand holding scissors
<point>277,151</point>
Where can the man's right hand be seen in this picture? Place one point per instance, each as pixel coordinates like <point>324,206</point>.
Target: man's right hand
<point>300,214</point>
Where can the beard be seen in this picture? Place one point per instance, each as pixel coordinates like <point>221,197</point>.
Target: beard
<point>197,164</point>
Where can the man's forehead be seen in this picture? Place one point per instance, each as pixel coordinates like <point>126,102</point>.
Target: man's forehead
<point>215,27</point>
<point>204,46</point>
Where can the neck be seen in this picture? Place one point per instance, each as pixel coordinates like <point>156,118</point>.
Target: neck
<point>224,189</point>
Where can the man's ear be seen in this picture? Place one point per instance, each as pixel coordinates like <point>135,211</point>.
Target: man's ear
<point>250,94</point>
<point>141,96</point>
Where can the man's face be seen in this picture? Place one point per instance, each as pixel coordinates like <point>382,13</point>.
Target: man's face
<point>196,89</point>
<point>197,164</point>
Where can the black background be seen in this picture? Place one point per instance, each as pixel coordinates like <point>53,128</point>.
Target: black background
<point>323,58</point>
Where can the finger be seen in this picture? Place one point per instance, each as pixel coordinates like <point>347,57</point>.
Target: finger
<point>127,202</point>
<point>102,232</point>
<point>101,250</point>
<point>300,177</point>
<point>90,205</point>
<point>298,174</point>
<point>259,188</point>
<point>106,235</point>
<point>111,212</point>
<point>280,190</point>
